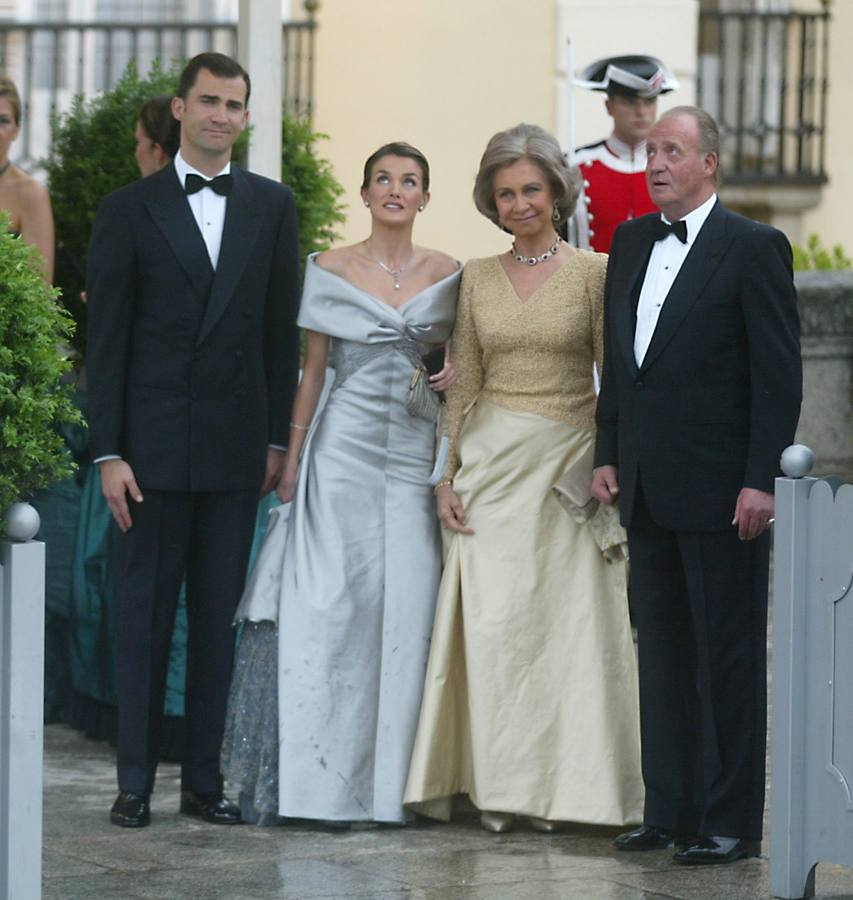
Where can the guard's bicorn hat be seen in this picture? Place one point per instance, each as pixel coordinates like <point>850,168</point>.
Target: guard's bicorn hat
<point>637,75</point>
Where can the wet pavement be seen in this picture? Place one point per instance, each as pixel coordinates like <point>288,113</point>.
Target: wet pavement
<point>178,857</point>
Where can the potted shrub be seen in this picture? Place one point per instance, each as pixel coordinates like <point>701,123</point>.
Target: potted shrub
<point>34,399</point>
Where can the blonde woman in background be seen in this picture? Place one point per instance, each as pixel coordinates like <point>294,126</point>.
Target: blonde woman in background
<point>25,199</point>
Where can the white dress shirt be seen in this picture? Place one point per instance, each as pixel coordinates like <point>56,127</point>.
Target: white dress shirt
<point>208,207</point>
<point>665,263</point>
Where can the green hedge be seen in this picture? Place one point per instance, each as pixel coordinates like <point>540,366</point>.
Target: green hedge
<point>34,400</point>
<point>814,256</point>
<point>92,155</point>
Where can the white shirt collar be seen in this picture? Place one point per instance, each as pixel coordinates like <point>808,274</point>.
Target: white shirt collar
<point>695,219</point>
<point>183,168</point>
<point>625,151</point>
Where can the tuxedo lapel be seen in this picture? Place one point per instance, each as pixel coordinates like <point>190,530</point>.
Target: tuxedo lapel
<point>698,267</point>
<point>636,252</point>
<point>243,217</point>
<point>168,206</point>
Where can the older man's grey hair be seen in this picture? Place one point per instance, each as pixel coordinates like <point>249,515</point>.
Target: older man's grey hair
<point>709,132</point>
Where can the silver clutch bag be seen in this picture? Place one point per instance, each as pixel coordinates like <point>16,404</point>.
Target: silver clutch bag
<point>421,400</point>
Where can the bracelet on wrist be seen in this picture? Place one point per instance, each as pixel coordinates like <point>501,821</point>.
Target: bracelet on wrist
<point>445,482</point>
<point>300,427</point>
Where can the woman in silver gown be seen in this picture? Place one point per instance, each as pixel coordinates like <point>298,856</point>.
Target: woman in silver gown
<point>338,612</point>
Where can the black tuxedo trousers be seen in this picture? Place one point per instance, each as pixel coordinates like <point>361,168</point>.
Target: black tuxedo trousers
<point>699,602</point>
<point>205,537</point>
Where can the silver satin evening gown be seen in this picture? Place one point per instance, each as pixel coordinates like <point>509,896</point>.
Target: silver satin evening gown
<point>339,609</point>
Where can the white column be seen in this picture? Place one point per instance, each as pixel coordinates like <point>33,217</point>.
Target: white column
<point>259,50</point>
<point>564,129</point>
<point>21,718</point>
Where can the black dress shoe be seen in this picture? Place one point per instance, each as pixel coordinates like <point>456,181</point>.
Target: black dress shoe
<point>648,837</point>
<point>130,811</point>
<point>709,851</point>
<point>214,807</point>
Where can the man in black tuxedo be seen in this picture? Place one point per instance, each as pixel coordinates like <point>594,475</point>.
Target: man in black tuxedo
<point>193,359</point>
<point>700,394</point>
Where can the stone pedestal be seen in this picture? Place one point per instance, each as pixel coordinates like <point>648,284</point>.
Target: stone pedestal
<point>21,730</point>
<point>826,420</point>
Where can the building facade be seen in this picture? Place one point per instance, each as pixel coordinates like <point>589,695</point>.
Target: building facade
<point>446,75</point>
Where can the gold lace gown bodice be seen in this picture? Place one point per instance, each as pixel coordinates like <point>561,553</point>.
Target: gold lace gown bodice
<point>533,355</point>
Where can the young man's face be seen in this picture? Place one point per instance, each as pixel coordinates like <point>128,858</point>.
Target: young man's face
<point>212,117</point>
<point>633,117</point>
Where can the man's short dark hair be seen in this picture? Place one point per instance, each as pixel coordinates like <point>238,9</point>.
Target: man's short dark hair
<point>217,64</point>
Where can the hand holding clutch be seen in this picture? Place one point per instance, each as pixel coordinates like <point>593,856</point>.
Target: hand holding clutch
<point>574,487</point>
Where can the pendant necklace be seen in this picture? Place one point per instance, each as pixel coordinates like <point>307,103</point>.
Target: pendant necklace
<point>534,260</point>
<point>394,273</point>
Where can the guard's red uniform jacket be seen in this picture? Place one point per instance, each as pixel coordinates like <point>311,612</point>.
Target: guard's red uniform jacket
<point>614,189</point>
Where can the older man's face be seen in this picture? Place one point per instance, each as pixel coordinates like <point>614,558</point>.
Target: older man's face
<point>679,176</point>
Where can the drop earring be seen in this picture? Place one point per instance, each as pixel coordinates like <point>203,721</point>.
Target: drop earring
<point>556,214</point>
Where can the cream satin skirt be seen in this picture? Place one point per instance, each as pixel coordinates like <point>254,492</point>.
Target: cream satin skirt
<point>530,704</point>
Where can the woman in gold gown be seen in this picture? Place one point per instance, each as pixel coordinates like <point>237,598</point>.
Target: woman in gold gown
<point>530,705</point>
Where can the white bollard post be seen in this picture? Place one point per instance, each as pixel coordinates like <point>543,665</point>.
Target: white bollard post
<point>21,718</point>
<point>791,873</point>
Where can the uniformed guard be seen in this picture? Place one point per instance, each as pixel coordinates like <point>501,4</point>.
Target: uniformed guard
<point>613,169</point>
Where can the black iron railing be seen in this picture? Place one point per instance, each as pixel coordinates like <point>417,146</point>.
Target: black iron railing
<point>51,62</point>
<point>763,76</point>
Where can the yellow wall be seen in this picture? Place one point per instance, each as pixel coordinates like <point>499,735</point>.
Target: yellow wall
<point>443,75</point>
<point>831,220</point>
<point>447,74</point>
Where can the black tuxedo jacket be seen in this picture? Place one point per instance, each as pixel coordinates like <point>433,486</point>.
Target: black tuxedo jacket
<point>717,397</point>
<point>191,372</point>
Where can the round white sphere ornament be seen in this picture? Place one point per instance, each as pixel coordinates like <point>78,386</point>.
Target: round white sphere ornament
<point>22,522</point>
<point>797,460</point>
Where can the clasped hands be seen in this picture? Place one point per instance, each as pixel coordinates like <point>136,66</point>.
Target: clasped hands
<point>753,509</point>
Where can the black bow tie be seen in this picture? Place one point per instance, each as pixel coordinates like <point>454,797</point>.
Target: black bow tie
<point>664,229</point>
<point>222,184</point>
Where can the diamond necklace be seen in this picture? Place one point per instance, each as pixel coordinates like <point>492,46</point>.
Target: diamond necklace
<point>394,273</point>
<point>533,260</point>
